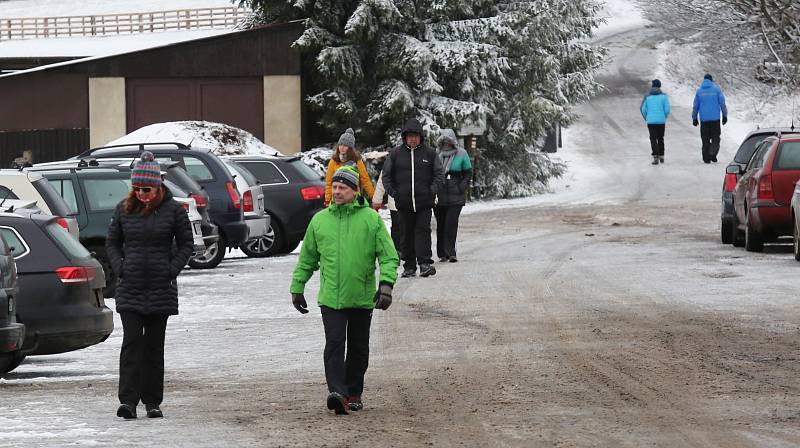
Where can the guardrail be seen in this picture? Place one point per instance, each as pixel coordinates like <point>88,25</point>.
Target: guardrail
<point>127,23</point>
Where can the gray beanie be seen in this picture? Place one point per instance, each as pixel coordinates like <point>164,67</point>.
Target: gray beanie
<point>348,139</point>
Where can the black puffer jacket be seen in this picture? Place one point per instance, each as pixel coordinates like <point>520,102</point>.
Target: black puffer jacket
<point>413,176</point>
<point>147,253</point>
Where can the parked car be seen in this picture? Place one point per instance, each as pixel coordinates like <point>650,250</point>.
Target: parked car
<point>225,203</point>
<point>293,193</point>
<point>60,299</point>
<point>795,207</point>
<point>762,197</point>
<point>742,157</point>
<point>19,184</point>
<point>12,333</point>
<point>255,215</point>
<point>95,190</point>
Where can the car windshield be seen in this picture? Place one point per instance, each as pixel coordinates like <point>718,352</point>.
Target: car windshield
<point>105,194</point>
<point>748,147</point>
<point>56,204</point>
<point>306,171</point>
<point>68,243</point>
<point>788,156</point>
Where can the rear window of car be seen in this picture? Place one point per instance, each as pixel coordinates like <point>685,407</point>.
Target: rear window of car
<point>14,241</point>
<point>55,202</point>
<point>306,171</point>
<point>178,175</point>
<point>68,243</point>
<point>6,193</point>
<point>265,172</point>
<point>244,172</point>
<point>788,156</point>
<point>105,194</point>
<point>197,169</point>
<point>66,189</point>
<point>748,147</point>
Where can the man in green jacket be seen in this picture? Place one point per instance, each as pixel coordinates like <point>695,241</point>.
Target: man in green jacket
<point>343,241</point>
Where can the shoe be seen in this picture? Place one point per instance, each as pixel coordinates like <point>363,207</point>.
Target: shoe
<point>426,270</point>
<point>453,259</point>
<point>443,259</point>
<point>154,412</point>
<point>338,403</point>
<point>706,161</point>
<point>714,159</point>
<point>126,411</point>
<point>408,273</point>
<point>655,160</point>
<point>661,159</point>
<point>354,403</point>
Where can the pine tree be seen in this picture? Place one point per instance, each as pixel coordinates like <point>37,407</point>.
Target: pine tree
<point>515,67</point>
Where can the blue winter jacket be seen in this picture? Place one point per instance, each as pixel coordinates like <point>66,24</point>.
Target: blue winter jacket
<point>655,107</point>
<point>709,101</point>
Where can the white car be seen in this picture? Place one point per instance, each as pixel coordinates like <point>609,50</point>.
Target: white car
<point>194,218</point>
<point>255,216</point>
<point>31,186</point>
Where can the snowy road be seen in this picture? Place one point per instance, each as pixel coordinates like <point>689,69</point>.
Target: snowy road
<point>603,314</point>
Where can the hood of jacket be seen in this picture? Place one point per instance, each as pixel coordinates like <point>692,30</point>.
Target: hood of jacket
<point>447,136</point>
<point>708,84</point>
<point>358,202</point>
<point>655,91</point>
<point>413,126</point>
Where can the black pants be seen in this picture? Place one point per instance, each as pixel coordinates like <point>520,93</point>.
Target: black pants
<point>141,359</point>
<point>446,229</point>
<point>416,237</point>
<point>345,373</point>
<point>657,138</point>
<point>709,133</point>
<point>397,231</point>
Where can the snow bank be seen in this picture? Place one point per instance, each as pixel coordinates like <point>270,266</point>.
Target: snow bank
<point>220,138</point>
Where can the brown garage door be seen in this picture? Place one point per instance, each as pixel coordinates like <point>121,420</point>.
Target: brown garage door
<point>234,101</point>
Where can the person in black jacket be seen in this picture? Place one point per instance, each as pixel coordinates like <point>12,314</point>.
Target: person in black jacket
<point>412,175</point>
<point>453,196</point>
<point>149,241</point>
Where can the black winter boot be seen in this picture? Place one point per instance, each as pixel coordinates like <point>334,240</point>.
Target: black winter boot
<point>426,270</point>
<point>126,411</point>
<point>338,403</point>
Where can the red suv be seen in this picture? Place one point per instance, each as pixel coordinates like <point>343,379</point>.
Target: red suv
<point>763,195</point>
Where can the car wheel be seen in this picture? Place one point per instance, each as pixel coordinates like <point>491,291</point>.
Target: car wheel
<point>212,256</point>
<point>10,361</point>
<point>796,239</point>
<point>726,232</point>
<point>753,241</point>
<point>290,247</point>
<point>111,277</point>
<point>267,245</point>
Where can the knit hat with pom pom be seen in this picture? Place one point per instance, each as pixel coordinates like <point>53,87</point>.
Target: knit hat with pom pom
<point>146,172</point>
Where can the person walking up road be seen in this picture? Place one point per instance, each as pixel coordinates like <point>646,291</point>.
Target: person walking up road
<point>377,202</point>
<point>345,154</point>
<point>453,195</point>
<point>149,242</point>
<point>412,175</point>
<point>708,103</point>
<point>655,110</point>
<point>344,241</point>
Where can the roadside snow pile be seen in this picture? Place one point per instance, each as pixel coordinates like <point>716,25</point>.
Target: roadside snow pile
<point>221,139</point>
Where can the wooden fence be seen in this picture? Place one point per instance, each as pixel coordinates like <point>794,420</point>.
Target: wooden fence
<point>127,23</point>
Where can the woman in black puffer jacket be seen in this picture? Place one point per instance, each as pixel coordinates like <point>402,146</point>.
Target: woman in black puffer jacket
<point>149,241</point>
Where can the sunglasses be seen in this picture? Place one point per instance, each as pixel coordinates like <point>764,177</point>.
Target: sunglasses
<point>143,189</point>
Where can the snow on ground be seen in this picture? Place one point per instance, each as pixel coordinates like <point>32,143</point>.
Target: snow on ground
<point>620,16</point>
<point>222,139</point>
<point>52,8</point>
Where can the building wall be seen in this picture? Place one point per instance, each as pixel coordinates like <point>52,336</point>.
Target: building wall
<point>283,113</point>
<point>107,119</point>
<point>44,101</point>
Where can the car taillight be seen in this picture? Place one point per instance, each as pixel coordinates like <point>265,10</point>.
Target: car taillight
<point>765,187</point>
<point>247,200</point>
<point>730,182</point>
<point>199,199</point>
<point>312,193</point>
<point>237,202</point>
<point>63,223</point>
<point>76,274</point>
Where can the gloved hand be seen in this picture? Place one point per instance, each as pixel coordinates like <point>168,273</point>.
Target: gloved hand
<point>724,120</point>
<point>299,302</point>
<point>383,296</point>
<point>695,122</point>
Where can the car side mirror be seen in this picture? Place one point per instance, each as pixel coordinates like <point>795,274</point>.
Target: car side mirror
<point>734,169</point>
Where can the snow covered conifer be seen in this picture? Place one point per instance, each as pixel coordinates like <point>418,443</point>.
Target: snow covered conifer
<point>514,67</point>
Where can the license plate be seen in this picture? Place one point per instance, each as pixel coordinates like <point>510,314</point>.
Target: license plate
<point>196,226</point>
<point>10,305</point>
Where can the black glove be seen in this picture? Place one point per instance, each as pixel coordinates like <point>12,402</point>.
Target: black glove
<point>383,296</point>
<point>724,120</point>
<point>695,122</point>
<point>299,302</point>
